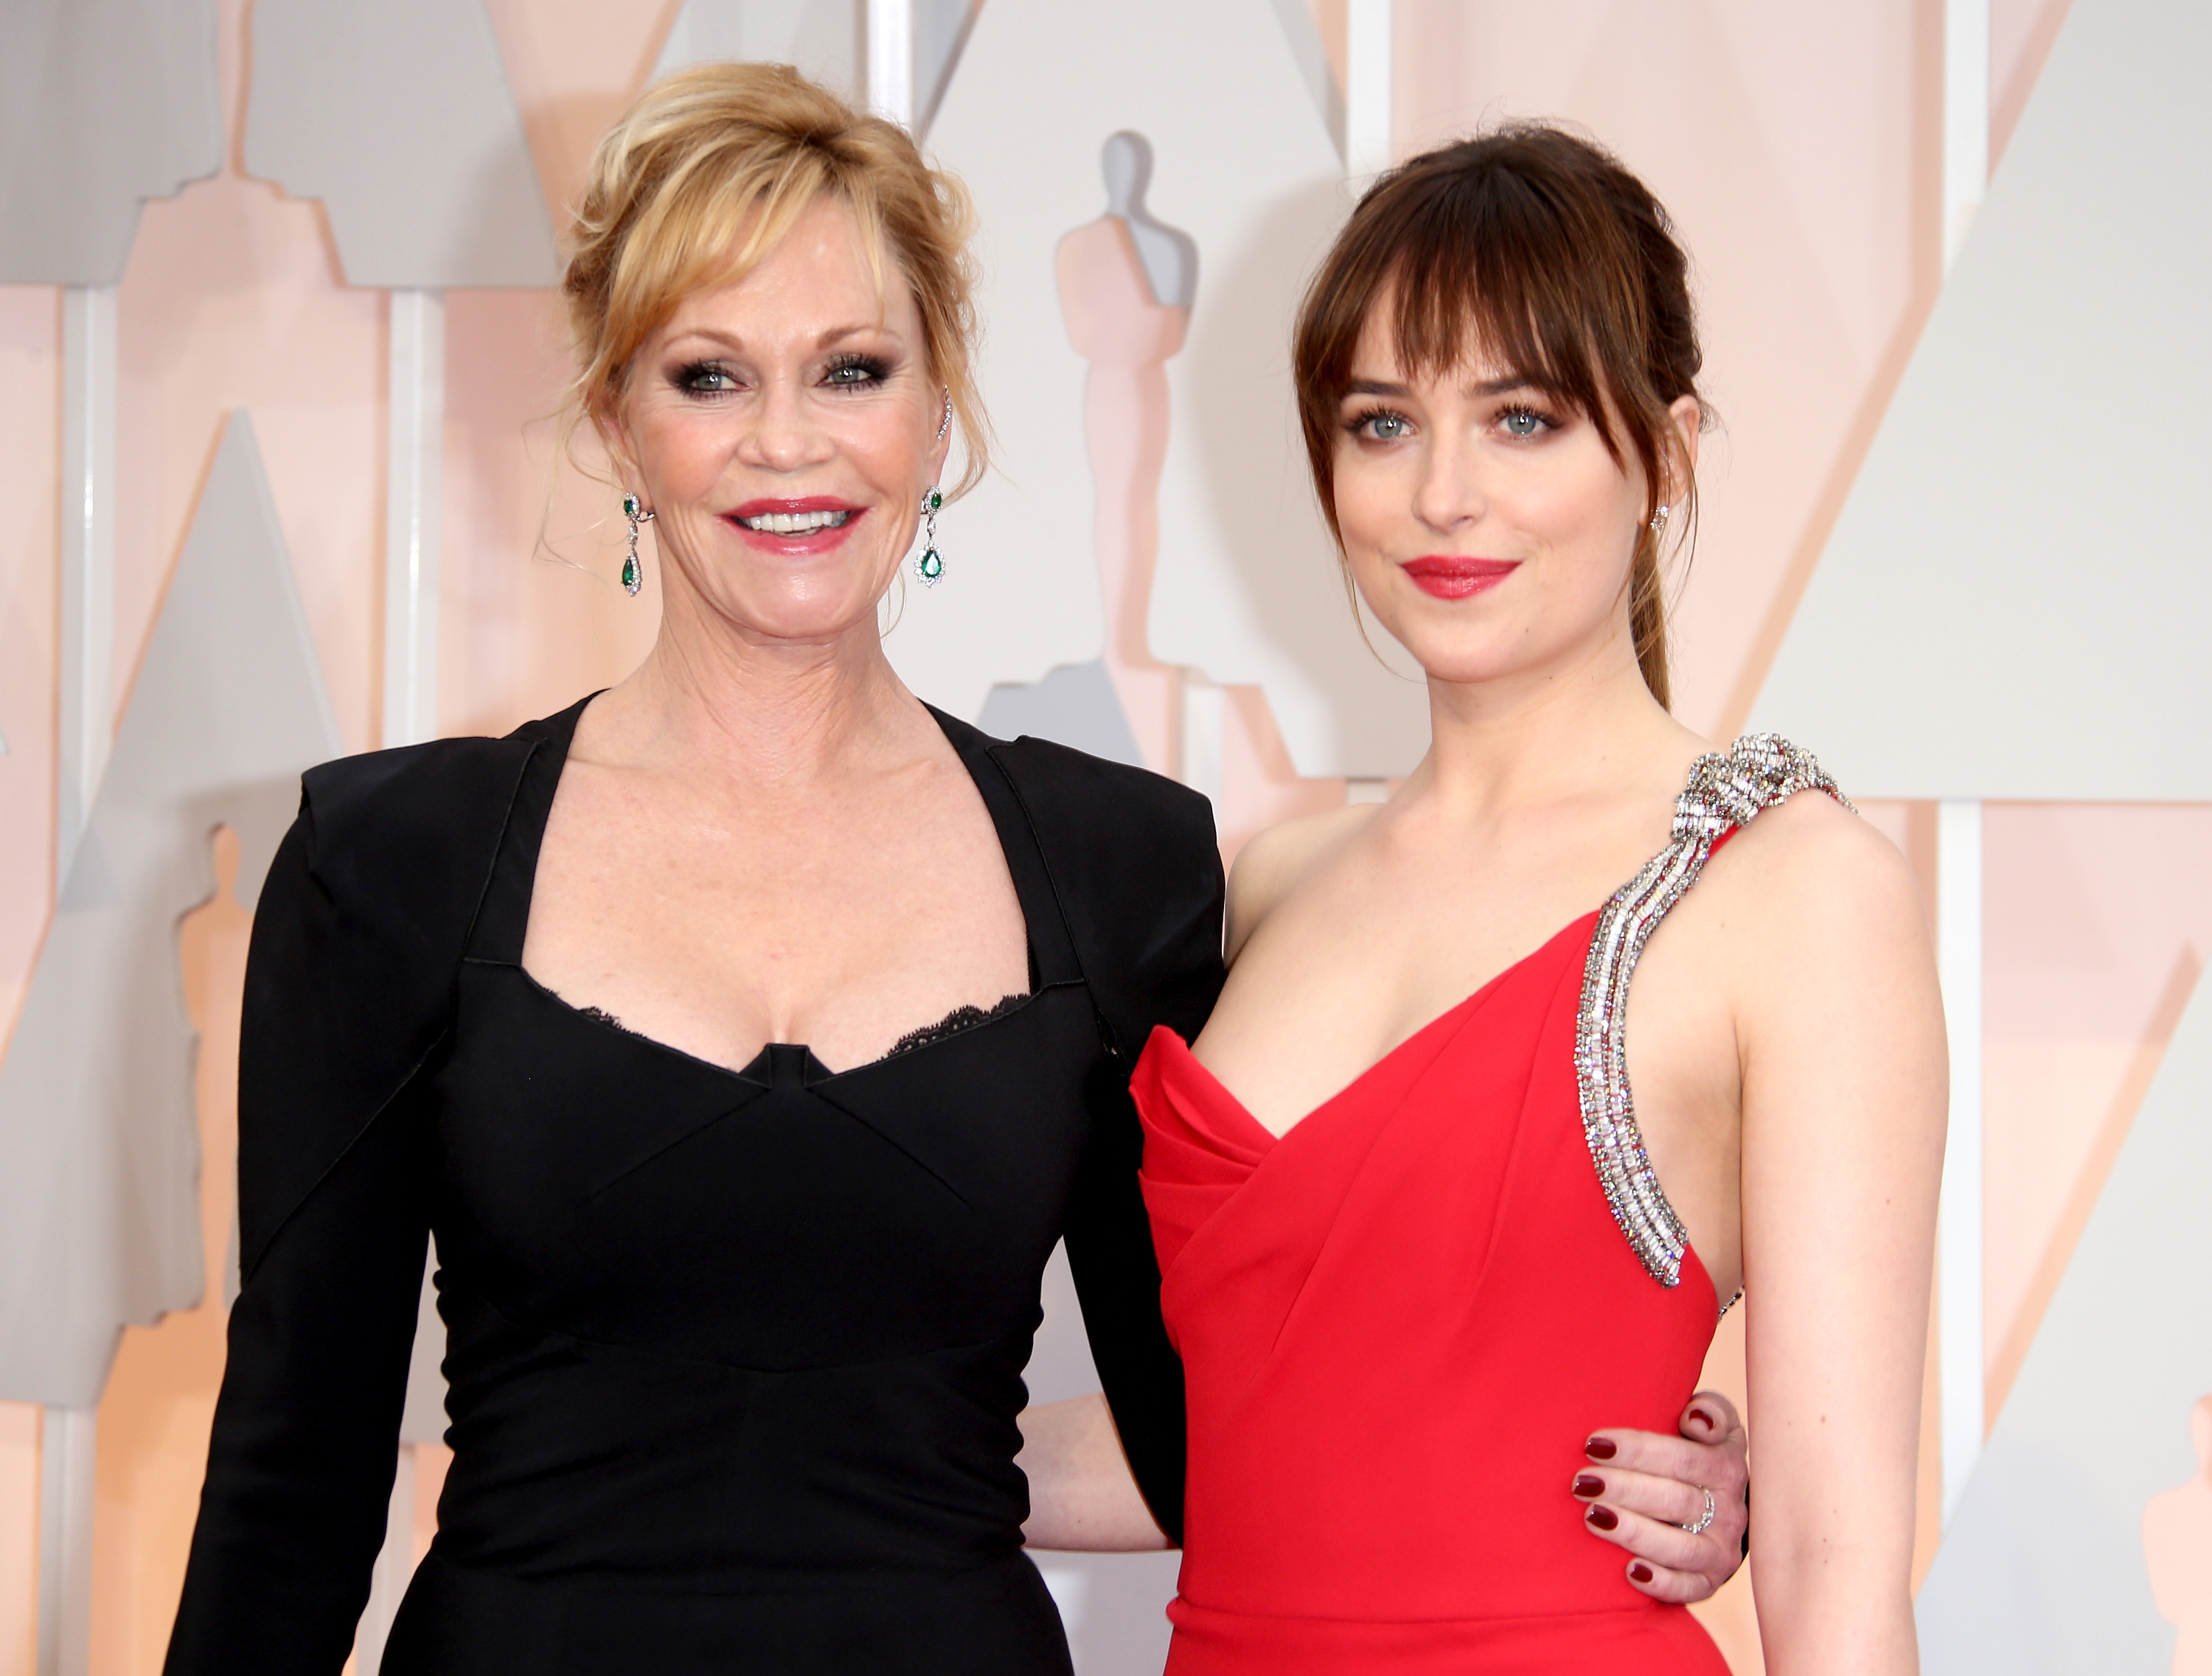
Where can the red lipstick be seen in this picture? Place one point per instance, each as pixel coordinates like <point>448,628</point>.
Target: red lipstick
<point>1447,576</point>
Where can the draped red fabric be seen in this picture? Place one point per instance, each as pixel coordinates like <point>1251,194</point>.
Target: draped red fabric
<point>1398,1324</point>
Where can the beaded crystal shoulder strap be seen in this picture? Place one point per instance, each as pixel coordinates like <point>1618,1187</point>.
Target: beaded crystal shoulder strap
<point>1759,771</point>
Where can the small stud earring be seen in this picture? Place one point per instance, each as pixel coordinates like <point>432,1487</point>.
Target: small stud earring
<point>930,567</point>
<point>1659,518</point>
<point>632,573</point>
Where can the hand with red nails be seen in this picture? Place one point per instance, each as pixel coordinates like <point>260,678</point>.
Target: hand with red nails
<point>1646,1492</point>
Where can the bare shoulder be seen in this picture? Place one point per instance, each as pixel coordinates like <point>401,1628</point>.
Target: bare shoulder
<point>1272,863</point>
<point>1812,879</point>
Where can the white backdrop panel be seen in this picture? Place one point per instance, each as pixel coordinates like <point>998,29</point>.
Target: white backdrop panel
<point>820,38</point>
<point>398,117</point>
<point>103,103</point>
<point>2015,600</point>
<point>1248,588</point>
<point>1245,165</point>
<point>99,1140</point>
<point>2042,1571</point>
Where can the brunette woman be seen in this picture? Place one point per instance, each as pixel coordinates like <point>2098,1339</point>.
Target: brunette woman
<point>1437,1190</point>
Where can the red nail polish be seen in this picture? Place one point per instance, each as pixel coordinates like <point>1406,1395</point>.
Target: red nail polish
<point>1588,1485</point>
<point>1601,1448</point>
<point>1603,1517</point>
<point>1640,1572</point>
<point>1705,1419</point>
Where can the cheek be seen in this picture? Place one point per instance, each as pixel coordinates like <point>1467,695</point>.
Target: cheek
<point>1368,499</point>
<point>683,451</point>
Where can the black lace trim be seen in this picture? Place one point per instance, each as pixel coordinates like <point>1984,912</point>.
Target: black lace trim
<point>963,1018</point>
<point>606,1018</point>
<point>960,1018</point>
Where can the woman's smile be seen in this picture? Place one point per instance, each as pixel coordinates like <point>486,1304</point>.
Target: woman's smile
<point>811,524</point>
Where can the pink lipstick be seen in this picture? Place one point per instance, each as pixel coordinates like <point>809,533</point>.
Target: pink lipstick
<point>1447,576</point>
<point>813,523</point>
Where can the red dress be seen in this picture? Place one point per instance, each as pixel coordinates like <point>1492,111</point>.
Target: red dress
<point>1399,1321</point>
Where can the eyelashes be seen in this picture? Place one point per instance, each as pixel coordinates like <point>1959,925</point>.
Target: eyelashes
<point>703,378</point>
<point>1379,424</point>
<point>843,372</point>
<point>1521,421</point>
<point>857,371</point>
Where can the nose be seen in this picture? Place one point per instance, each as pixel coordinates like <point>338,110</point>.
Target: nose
<point>782,433</point>
<point>1450,493</point>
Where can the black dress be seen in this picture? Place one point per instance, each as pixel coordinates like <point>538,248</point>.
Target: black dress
<point>734,1359</point>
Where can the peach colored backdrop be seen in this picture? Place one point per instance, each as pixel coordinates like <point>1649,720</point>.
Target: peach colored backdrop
<point>1797,147</point>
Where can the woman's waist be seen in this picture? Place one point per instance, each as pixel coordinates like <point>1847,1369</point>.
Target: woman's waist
<point>1212,1641</point>
<point>994,1619</point>
<point>571,1457</point>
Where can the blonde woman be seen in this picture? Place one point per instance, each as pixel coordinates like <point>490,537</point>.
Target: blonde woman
<point>747,1034</point>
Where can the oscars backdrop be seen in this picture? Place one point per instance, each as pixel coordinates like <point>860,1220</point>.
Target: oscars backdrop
<point>283,354</point>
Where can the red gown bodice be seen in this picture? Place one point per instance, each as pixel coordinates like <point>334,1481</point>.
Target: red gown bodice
<point>1400,1321</point>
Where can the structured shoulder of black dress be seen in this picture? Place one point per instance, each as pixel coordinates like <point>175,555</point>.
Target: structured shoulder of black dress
<point>1137,868</point>
<point>358,938</point>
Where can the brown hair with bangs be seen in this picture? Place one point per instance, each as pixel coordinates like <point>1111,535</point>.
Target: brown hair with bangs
<point>708,170</point>
<point>1538,249</point>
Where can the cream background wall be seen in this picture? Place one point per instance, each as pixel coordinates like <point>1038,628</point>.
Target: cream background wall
<point>1797,147</point>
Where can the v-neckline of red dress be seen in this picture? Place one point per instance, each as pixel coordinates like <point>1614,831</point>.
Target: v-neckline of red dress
<point>1450,1015</point>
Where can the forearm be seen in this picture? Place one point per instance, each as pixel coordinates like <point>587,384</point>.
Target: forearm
<point>1081,1493</point>
<point>1833,1608</point>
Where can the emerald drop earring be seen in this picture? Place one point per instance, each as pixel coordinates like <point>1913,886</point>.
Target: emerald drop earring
<point>632,573</point>
<point>930,567</point>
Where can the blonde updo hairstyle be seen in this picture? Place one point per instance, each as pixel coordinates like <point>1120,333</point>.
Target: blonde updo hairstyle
<point>702,176</point>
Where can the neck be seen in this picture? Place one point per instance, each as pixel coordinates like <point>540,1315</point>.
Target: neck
<point>776,713</point>
<point>1539,735</point>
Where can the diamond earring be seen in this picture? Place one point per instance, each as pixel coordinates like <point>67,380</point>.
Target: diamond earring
<point>930,567</point>
<point>632,573</point>
<point>1659,518</point>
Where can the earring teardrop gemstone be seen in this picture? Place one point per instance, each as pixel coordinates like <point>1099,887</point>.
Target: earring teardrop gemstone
<point>633,578</point>
<point>929,568</point>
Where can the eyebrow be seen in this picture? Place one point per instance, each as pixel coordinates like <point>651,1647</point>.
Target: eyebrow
<point>823,340</point>
<point>1489,387</point>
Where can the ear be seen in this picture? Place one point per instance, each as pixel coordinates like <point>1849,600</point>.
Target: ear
<point>1685,417</point>
<point>614,436</point>
<point>940,449</point>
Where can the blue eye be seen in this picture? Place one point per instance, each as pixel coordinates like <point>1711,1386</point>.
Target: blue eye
<point>856,372</point>
<point>705,377</point>
<point>1523,421</point>
<point>1382,426</point>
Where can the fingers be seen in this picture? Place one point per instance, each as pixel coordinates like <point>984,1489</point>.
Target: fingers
<point>1678,1566</point>
<point>1668,1501</point>
<point>1631,1505</point>
<point>1679,1589</point>
<point>1719,1464</point>
<point>1710,1418</point>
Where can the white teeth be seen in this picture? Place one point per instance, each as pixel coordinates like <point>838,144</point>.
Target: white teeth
<point>795,523</point>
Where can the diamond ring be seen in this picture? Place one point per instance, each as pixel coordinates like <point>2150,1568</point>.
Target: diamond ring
<point>1698,1529</point>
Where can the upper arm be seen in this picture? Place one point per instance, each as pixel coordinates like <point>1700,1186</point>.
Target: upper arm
<point>1840,1033</point>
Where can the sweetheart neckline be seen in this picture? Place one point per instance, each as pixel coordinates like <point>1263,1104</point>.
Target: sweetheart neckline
<point>1006,1007</point>
<point>1389,1053</point>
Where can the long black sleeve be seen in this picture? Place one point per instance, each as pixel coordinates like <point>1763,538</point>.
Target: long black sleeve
<point>1138,873</point>
<point>349,978</point>
<point>300,1466</point>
